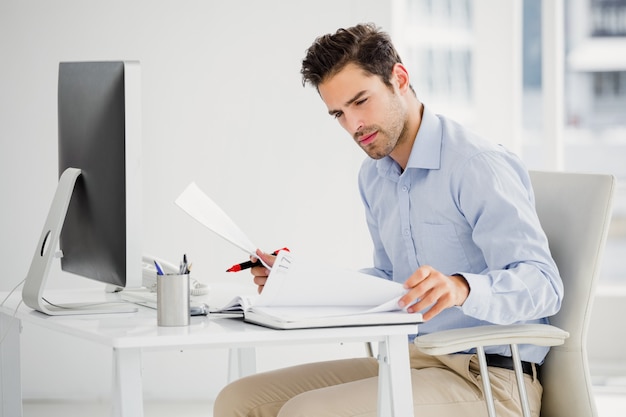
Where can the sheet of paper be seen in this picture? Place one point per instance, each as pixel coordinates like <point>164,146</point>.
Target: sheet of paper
<point>297,282</point>
<point>199,206</point>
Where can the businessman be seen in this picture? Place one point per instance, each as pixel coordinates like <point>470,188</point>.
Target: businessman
<point>451,216</point>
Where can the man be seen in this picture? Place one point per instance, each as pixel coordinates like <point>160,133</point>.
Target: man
<point>451,216</point>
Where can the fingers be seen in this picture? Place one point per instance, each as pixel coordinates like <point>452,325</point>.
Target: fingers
<point>419,285</point>
<point>419,276</point>
<point>438,305</point>
<point>260,282</point>
<point>260,272</point>
<point>266,257</point>
<point>433,289</point>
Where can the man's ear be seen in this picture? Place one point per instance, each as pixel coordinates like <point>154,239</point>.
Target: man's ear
<point>400,77</point>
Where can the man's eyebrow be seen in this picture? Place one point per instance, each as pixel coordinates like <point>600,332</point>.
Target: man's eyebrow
<point>352,100</point>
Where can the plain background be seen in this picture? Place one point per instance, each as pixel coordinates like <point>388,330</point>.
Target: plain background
<point>223,105</point>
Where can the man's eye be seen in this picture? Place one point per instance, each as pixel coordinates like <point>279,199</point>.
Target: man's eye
<point>358,103</point>
<point>337,115</point>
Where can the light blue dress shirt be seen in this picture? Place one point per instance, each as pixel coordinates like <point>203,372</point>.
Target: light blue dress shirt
<point>463,206</point>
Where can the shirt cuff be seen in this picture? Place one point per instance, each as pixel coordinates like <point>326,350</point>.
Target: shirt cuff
<point>477,302</point>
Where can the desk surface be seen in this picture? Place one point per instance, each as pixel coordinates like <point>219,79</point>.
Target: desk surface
<point>128,334</point>
<point>128,330</point>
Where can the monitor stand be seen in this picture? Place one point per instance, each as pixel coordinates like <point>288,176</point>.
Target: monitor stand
<point>46,251</point>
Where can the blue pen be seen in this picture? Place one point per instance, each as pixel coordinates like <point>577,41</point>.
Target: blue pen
<point>158,268</point>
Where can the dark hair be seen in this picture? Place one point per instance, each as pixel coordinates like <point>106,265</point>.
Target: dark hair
<point>364,45</point>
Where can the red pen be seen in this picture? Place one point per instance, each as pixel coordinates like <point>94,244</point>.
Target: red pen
<point>250,264</point>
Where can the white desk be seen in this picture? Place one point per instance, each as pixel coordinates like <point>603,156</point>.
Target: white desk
<point>130,334</point>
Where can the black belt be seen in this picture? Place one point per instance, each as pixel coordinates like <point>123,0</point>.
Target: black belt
<point>506,362</point>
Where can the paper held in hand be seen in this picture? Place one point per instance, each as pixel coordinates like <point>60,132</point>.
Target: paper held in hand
<point>200,206</point>
<point>297,295</point>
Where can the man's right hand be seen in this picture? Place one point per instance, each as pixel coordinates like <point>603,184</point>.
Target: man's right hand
<point>260,272</point>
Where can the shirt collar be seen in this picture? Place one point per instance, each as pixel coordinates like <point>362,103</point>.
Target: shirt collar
<point>426,151</point>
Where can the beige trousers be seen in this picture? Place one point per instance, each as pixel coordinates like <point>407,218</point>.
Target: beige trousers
<point>443,386</point>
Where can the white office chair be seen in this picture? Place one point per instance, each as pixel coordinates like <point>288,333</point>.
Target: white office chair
<point>575,212</point>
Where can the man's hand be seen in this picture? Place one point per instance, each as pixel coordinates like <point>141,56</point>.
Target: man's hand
<point>431,287</point>
<point>260,272</point>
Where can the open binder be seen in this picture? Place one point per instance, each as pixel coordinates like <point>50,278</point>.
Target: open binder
<point>296,297</point>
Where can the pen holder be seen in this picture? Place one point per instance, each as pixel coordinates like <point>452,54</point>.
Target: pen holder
<point>173,300</point>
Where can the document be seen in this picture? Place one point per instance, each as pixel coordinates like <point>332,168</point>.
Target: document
<point>298,296</point>
<point>204,210</point>
<point>300,293</point>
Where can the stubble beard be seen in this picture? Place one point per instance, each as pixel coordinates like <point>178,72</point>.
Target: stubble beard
<point>388,139</point>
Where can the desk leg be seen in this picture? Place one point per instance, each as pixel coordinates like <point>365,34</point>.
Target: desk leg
<point>241,362</point>
<point>127,390</point>
<point>10,373</point>
<point>395,394</point>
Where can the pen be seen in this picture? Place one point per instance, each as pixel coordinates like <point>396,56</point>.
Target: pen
<point>184,266</point>
<point>158,268</point>
<point>250,264</point>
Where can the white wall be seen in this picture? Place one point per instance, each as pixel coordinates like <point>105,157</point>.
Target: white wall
<point>223,106</point>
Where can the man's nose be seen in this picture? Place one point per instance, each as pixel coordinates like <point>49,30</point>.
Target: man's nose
<point>354,124</point>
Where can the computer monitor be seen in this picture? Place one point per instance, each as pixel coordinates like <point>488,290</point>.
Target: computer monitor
<point>95,216</point>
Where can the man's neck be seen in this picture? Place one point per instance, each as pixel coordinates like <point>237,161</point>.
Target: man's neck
<point>402,151</point>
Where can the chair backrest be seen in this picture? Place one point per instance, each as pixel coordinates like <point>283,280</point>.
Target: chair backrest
<point>575,212</point>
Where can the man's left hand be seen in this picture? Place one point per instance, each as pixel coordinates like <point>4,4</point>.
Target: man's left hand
<point>431,287</point>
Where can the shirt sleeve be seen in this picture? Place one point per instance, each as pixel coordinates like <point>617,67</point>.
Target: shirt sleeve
<point>521,281</point>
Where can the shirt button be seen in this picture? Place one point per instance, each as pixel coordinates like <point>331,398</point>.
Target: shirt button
<point>405,188</point>
<point>405,232</point>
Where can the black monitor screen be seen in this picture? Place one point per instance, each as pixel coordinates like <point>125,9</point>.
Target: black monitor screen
<point>93,138</point>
